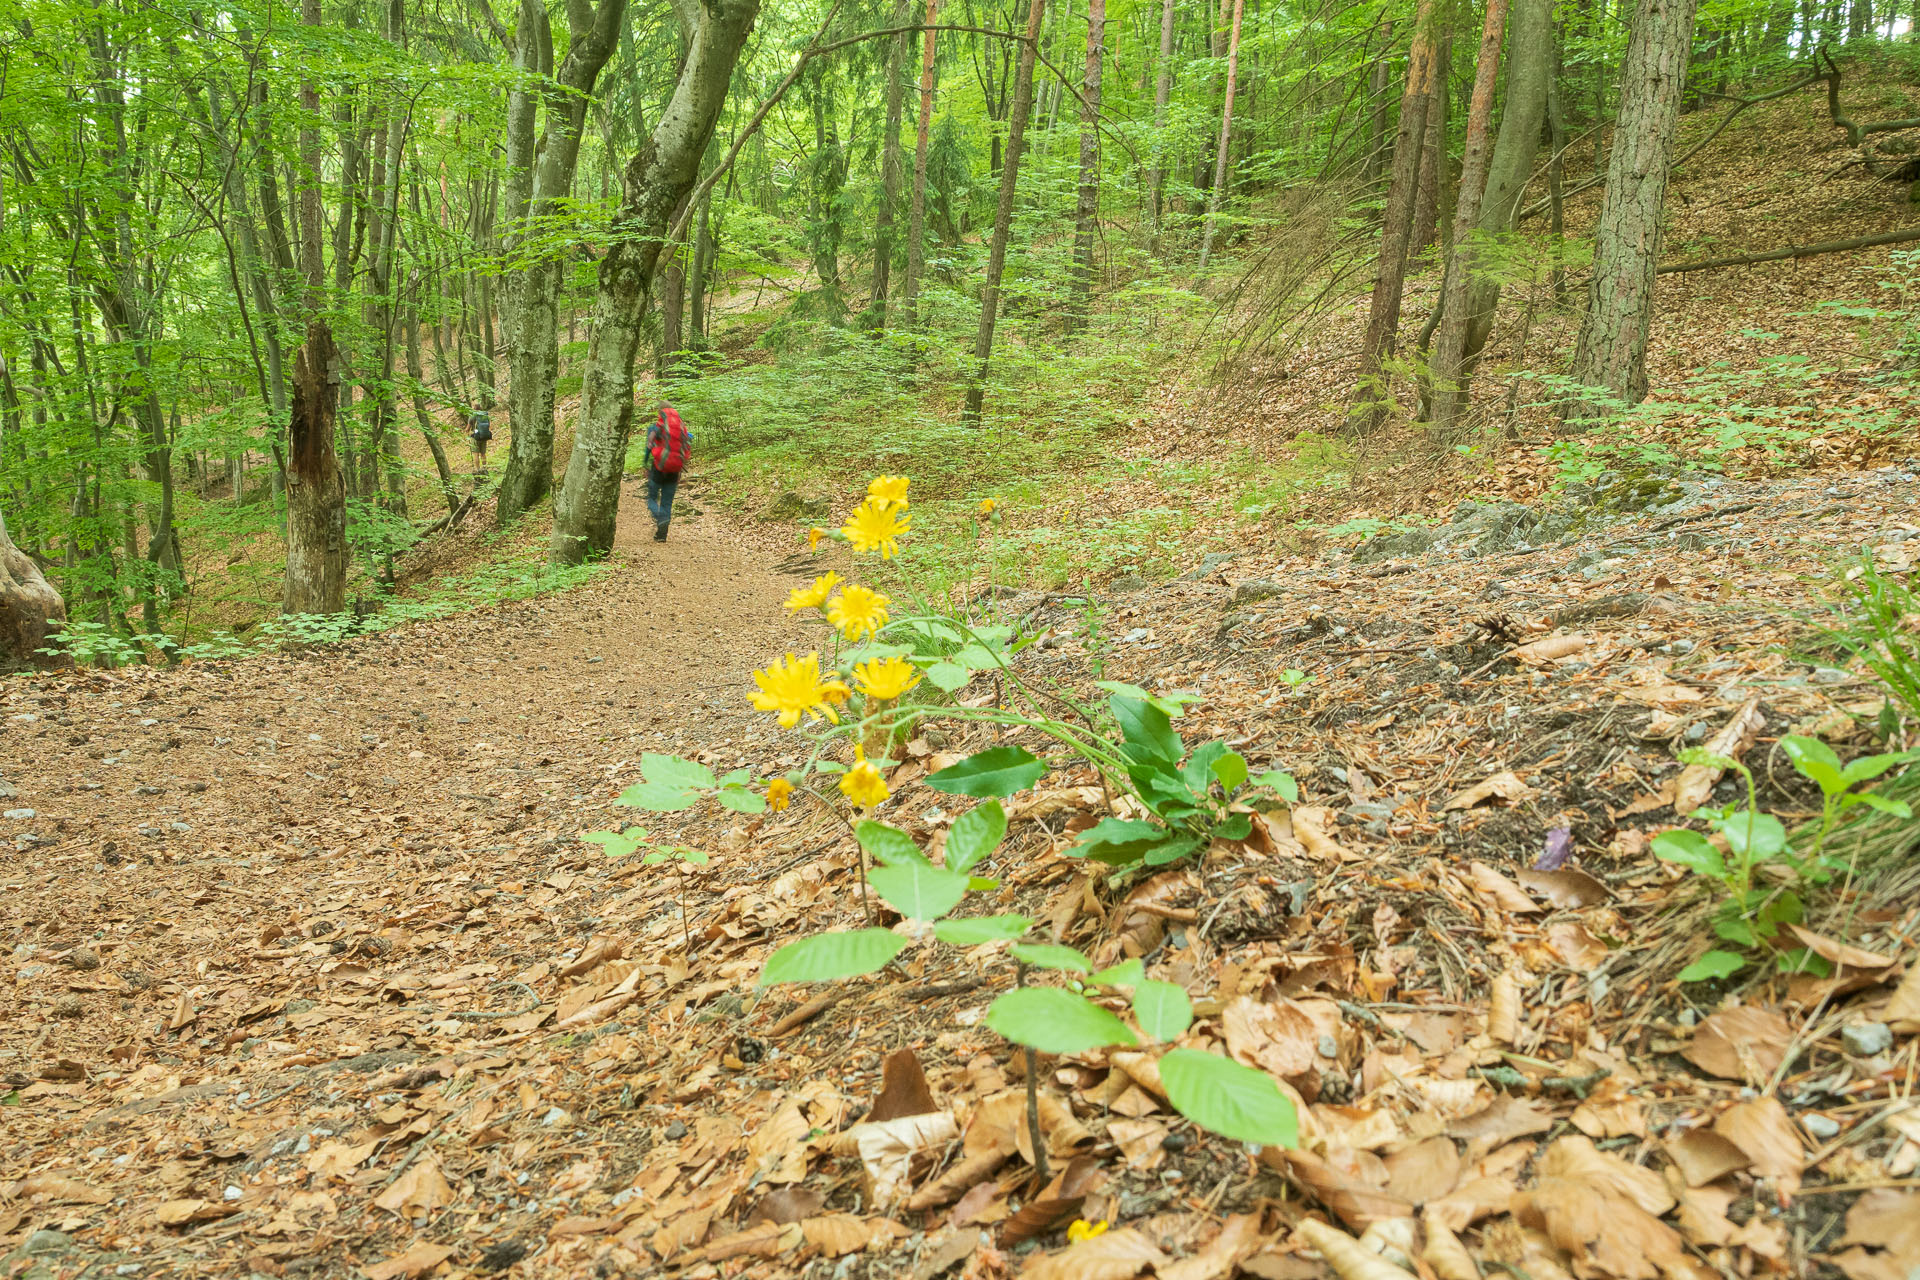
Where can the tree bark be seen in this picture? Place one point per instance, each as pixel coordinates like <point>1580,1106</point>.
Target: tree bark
<point>883,220</point>
<point>31,610</point>
<point>1379,80</point>
<point>1371,400</point>
<point>316,574</point>
<point>1003,216</point>
<point>1430,201</point>
<point>657,179</point>
<point>917,202</point>
<point>1218,193</point>
<point>1449,353</point>
<point>1610,355</point>
<point>1087,205</point>
<point>1162,94</point>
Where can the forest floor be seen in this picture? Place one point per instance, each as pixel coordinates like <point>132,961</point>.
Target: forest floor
<point>314,977</point>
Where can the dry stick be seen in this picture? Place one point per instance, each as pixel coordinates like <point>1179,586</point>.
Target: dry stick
<point>1033,1096</point>
<point>1794,251</point>
<point>805,1013</point>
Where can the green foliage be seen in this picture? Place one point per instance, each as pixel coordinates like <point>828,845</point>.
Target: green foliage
<point>1234,1101</point>
<point>669,783</point>
<point>827,956</point>
<point>1870,621</point>
<point>1053,1020</point>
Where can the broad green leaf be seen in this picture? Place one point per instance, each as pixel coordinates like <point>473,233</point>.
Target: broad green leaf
<point>1125,974</point>
<point>1803,960</point>
<point>618,844</point>
<point>1735,928</point>
<point>826,956</point>
<point>1175,847</point>
<point>1056,1021</point>
<point>658,797</point>
<point>1197,773</point>
<point>975,930</point>
<point>1117,840</point>
<point>1050,955</point>
<point>994,773</point>
<point>1147,730</point>
<point>1757,837</point>
<point>1162,1009</point>
<point>1174,704</point>
<point>1714,964</point>
<point>1235,826</point>
<point>738,778</point>
<point>975,835</point>
<point>740,800</point>
<point>1281,784</point>
<point>675,771</point>
<point>1690,849</point>
<point>1231,770</point>
<point>1867,768</point>
<point>697,857</point>
<point>948,676</point>
<point>1816,760</point>
<point>887,845</point>
<point>1897,808</point>
<point>919,890</point>
<point>982,884</point>
<point>654,858</point>
<point>976,658</point>
<point>1233,1101</point>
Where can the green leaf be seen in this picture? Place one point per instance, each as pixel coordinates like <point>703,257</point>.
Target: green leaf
<point>1235,826</point>
<point>1714,964</point>
<point>1898,808</point>
<point>919,890</point>
<point>618,844</point>
<point>1162,1009</point>
<point>1056,1021</point>
<point>696,856</point>
<point>975,835</point>
<point>1117,840</point>
<point>1197,773</point>
<point>977,658</point>
<point>1281,784</point>
<point>740,800</point>
<point>1127,973</point>
<point>982,884</point>
<point>826,956</point>
<point>888,845</point>
<point>1174,704</point>
<point>1803,960</point>
<point>1815,760</point>
<point>1233,1101</point>
<point>948,676</point>
<point>1867,768</point>
<point>654,858</point>
<point>975,930</point>
<point>738,778</point>
<point>995,772</point>
<point>1147,730</point>
<point>1757,837</point>
<point>1231,770</point>
<point>1175,847</point>
<point>1050,955</point>
<point>1690,849</point>
<point>657,797</point>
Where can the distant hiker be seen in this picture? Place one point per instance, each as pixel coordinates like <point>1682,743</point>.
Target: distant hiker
<point>668,444</point>
<point>480,431</point>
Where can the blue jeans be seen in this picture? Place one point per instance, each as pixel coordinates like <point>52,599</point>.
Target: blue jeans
<point>660,491</point>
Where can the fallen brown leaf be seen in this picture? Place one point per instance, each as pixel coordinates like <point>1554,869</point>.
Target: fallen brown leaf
<point>1741,1043</point>
<point>1702,1156</point>
<point>1697,781</point>
<point>1505,785</point>
<point>420,1257</point>
<point>1120,1254</point>
<point>1763,1130</point>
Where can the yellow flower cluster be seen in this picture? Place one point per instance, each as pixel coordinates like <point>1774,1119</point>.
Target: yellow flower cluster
<point>863,784</point>
<point>857,612</point>
<point>877,525</point>
<point>813,595</point>
<point>794,687</point>
<point>884,679</point>
<point>779,794</point>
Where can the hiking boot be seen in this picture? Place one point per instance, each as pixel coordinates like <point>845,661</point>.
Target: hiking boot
<point>660,532</point>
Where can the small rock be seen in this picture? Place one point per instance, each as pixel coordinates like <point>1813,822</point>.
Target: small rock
<point>595,659</point>
<point>556,1116</point>
<point>1864,1039</point>
<point>69,1007</point>
<point>1249,590</point>
<point>1821,1127</point>
<point>20,815</point>
<point>1209,564</point>
<point>676,1131</point>
<point>1127,583</point>
<point>43,1243</point>
<point>181,827</point>
<point>82,959</point>
<point>298,1006</point>
<point>502,1254</point>
<point>1136,635</point>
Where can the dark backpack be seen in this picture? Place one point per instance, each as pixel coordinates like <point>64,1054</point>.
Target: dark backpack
<point>669,452</point>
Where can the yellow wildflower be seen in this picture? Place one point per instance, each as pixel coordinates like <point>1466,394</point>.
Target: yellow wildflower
<point>779,794</point>
<point>813,537</point>
<point>890,490</point>
<point>876,525</point>
<point>863,784</point>
<point>857,611</point>
<point>1082,1230</point>
<point>987,505</point>
<point>793,687</point>
<point>886,678</point>
<point>812,597</point>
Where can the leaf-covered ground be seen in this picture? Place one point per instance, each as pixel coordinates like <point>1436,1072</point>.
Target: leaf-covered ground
<point>313,976</point>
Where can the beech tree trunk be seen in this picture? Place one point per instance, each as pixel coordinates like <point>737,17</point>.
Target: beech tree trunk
<point>1610,356</point>
<point>917,215</point>
<point>883,220</point>
<point>1215,196</point>
<point>31,610</point>
<point>1390,274</point>
<point>1430,201</point>
<point>1379,79</point>
<point>1162,94</point>
<point>1087,209</point>
<point>657,179</point>
<point>1449,384</point>
<point>1003,217</point>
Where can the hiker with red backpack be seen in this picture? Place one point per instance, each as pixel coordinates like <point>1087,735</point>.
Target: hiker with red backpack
<point>668,444</point>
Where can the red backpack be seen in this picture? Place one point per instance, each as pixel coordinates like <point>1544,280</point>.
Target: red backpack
<point>669,453</point>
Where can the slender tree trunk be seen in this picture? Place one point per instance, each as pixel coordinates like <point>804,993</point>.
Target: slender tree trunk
<point>1556,165</point>
<point>657,179</point>
<point>1449,353</point>
<point>1226,135</point>
<point>699,280</point>
<point>316,572</point>
<point>917,203</point>
<point>31,610</point>
<point>1087,207</point>
<point>883,221</point>
<point>1371,399</point>
<point>1430,203</point>
<point>1162,95</point>
<point>1003,217</point>
<point>1379,81</point>
<point>1610,355</point>
<point>448,488</point>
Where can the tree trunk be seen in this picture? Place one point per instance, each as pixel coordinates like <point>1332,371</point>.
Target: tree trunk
<point>1087,207</point>
<point>1530,74</point>
<point>1610,355</point>
<point>1226,134</point>
<point>883,220</point>
<point>1003,216</point>
<point>1449,353</point>
<point>917,202</point>
<point>1371,399</point>
<point>1379,81</point>
<point>1429,203</point>
<point>415,375</point>
<point>1162,94</point>
<point>699,279</point>
<point>657,179</point>
<point>31,610</point>
<point>316,573</point>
